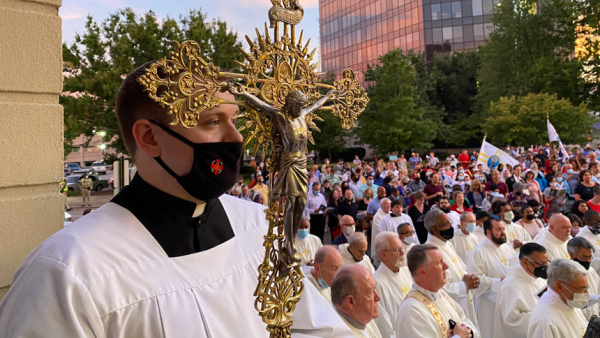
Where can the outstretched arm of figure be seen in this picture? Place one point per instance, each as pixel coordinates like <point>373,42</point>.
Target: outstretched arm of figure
<point>237,89</point>
<point>318,104</point>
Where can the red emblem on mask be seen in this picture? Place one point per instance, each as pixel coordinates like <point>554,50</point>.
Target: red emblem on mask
<point>216,166</point>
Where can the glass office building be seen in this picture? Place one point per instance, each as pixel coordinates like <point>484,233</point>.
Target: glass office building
<point>356,32</point>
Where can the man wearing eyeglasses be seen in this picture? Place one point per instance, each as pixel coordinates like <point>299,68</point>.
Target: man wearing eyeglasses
<point>393,279</point>
<point>582,251</point>
<point>518,293</point>
<point>440,232</point>
<point>406,233</point>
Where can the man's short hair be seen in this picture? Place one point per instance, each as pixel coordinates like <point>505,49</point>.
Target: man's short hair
<point>464,215</point>
<point>132,103</point>
<point>589,215</point>
<point>498,207</point>
<point>533,203</point>
<point>397,202</point>
<point>417,257</point>
<point>575,243</point>
<point>343,284</point>
<point>565,271</point>
<point>489,225</point>
<point>482,214</point>
<point>431,219</point>
<point>357,237</point>
<point>529,249</point>
<point>596,190</point>
<point>321,254</point>
<point>440,198</point>
<point>402,226</point>
<point>382,241</point>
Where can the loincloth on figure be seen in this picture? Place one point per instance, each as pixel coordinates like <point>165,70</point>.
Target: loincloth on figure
<point>292,178</point>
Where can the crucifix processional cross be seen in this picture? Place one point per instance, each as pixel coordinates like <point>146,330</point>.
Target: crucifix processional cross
<point>280,91</point>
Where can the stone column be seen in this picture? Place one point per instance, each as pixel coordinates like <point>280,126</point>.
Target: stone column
<point>31,129</point>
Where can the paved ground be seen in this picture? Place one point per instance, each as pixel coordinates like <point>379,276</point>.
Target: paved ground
<point>98,199</point>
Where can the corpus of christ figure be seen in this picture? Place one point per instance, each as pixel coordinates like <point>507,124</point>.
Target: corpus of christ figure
<point>292,177</point>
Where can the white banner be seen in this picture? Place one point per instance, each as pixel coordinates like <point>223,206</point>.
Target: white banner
<point>491,157</point>
<point>553,137</point>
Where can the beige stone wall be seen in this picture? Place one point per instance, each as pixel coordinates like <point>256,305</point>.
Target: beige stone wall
<point>31,129</point>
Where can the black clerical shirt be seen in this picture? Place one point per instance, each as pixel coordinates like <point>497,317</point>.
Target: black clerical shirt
<point>169,219</point>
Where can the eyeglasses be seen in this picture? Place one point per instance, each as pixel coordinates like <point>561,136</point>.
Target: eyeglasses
<point>349,225</point>
<point>407,233</point>
<point>397,250</point>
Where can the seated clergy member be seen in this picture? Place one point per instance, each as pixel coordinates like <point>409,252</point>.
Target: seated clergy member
<point>555,239</point>
<point>406,233</point>
<point>440,232</point>
<point>489,261</point>
<point>355,252</point>
<point>327,261</point>
<point>582,251</point>
<point>516,235</point>
<point>591,232</point>
<point>307,244</point>
<point>464,240</point>
<point>393,279</point>
<point>427,309</point>
<point>558,313</point>
<point>355,299</point>
<point>519,291</point>
<point>170,256</point>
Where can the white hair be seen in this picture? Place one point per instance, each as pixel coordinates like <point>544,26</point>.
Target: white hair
<point>384,200</point>
<point>464,215</point>
<point>382,242</point>
<point>431,219</point>
<point>565,271</point>
<point>357,237</point>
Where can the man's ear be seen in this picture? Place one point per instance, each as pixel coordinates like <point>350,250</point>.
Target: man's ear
<point>351,302</point>
<point>145,139</point>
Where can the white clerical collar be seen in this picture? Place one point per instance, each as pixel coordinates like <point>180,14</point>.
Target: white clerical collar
<point>436,241</point>
<point>199,210</point>
<point>432,296</point>
<point>521,270</point>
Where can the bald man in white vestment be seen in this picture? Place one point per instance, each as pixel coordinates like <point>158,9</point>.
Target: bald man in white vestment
<point>171,255</point>
<point>355,252</point>
<point>519,291</point>
<point>460,284</point>
<point>489,261</point>
<point>555,239</point>
<point>384,210</point>
<point>427,309</point>
<point>393,280</point>
<point>327,261</point>
<point>582,251</point>
<point>464,240</point>
<point>558,313</point>
<point>306,243</point>
<point>355,299</point>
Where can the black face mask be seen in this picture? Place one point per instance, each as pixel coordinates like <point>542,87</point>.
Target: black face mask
<point>594,230</point>
<point>215,169</point>
<point>447,234</point>
<point>541,272</point>
<point>586,265</point>
<point>530,217</point>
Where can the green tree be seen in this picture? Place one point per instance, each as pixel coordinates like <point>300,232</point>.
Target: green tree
<point>396,119</point>
<point>99,59</point>
<point>332,137</point>
<point>522,120</point>
<point>531,50</point>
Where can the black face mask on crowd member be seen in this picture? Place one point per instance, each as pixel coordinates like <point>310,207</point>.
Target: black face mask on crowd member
<point>447,234</point>
<point>586,265</point>
<point>215,168</point>
<point>540,271</point>
<point>530,217</point>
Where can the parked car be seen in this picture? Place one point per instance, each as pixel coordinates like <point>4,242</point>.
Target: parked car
<point>97,184</point>
<point>74,168</point>
<point>68,218</point>
<point>99,167</point>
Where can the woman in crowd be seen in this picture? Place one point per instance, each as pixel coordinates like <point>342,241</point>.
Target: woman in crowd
<point>585,188</point>
<point>535,192</point>
<point>332,207</point>
<point>367,198</point>
<point>476,195</point>
<point>416,213</point>
<point>576,223</point>
<point>552,194</point>
<point>579,208</point>
<point>258,199</point>
<point>529,222</point>
<point>460,205</point>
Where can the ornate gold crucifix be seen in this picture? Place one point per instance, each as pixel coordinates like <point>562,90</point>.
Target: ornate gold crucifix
<point>279,86</point>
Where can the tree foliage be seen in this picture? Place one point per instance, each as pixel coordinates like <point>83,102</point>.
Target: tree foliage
<point>99,59</point>
<point>398,116</point>
<point>522,119</point>
<point>531,51</point>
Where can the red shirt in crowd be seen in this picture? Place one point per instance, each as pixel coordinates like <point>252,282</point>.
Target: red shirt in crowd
<point>464,158</point>
<point>595,207</point>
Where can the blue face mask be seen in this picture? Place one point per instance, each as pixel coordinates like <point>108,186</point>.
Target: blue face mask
<point>302,233</point>
<point>470,227</point>
<point>316,192</point>
<point>559,179</point>
<point>322,282</point>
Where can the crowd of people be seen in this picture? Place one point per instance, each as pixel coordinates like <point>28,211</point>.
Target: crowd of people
<point>451,248</point>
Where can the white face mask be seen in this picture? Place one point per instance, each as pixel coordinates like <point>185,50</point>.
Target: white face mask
<point>350,231</point>
<point>509,216</point>
<point>409,240</point>
<point>579,301</point>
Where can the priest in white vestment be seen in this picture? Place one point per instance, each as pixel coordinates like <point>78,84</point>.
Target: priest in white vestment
<point>519,291</point>
<point>591,231</point>
<point>464,240</point>
<point>391,221</point>
<point>459,286</point>
<point>427,309</point>
<point>384,210</point>
<point>481,216</point>
<point>555,239</point>
<point>327,261</point>
<point>393,280</point>
<point>406,233</point>
<point>356,300</point>
<point>582,251</point>
<point>170,255</point>
<point>558,313</point>
<point>516,235</point>
<point>355,252</point>
<point>489,261</point>
<point>306,243</point>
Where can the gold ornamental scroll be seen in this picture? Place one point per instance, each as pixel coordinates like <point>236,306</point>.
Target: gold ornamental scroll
<point>277,89</point>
